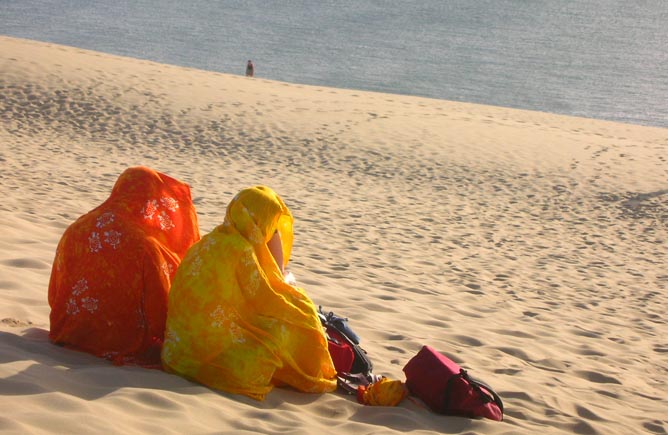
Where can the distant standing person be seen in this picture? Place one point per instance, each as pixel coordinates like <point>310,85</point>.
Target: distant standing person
<point>250,69</point>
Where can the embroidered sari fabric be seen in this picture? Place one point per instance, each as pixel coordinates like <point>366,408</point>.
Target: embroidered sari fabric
<point>114,265</point>
<point>233,324</point>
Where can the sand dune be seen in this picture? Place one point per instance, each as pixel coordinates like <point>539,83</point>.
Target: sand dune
<point>529,247</point>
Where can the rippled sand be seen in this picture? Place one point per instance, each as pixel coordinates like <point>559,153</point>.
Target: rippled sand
<point>529,247</point>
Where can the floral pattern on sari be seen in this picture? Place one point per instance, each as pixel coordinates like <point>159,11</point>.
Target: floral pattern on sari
<point>113,269</point>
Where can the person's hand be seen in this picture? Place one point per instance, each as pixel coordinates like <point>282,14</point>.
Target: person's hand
<point>290,278</point>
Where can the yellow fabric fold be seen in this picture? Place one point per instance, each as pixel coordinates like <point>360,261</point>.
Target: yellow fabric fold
<point>384,392</point>
<point>233,324</point>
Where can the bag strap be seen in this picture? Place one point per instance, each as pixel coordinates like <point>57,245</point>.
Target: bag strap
<point>448,388</point>
<point>487,394</point>
<point>349,382</point>
<point>495,397</point>
<point>338,323</point>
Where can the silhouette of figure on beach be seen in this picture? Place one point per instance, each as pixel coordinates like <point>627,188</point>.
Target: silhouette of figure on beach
<point>250,69</point>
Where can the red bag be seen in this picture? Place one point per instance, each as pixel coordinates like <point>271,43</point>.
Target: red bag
<point>448,389</point>
<point>340,351</point>
<point>347,355</point>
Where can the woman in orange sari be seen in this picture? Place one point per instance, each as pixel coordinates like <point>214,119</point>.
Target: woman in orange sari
<point>233,322</point>
<point>114,266</point>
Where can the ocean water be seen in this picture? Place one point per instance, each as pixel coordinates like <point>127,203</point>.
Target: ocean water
<point>605,59</point>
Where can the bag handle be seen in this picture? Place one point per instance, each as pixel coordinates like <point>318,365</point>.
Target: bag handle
<point>349,382</point>
<point>338,323</point>
<point>488,394</point>
<point>488,391</point>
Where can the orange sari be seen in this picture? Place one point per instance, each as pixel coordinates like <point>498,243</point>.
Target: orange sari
<point>114,266</point>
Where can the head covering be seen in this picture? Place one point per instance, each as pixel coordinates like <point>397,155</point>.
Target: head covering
<point>255,214</point>
<point>114,265</point>
<point>233,323</point>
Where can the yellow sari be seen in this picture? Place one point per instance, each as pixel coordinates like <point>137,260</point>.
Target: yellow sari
<point>233,324</point>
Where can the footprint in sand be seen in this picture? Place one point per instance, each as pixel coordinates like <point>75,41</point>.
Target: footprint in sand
<point>596,377</point>
<point>26,263</point>
<point>15,323</point>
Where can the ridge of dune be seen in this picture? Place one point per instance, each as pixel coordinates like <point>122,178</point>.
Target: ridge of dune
<point>530,247</point>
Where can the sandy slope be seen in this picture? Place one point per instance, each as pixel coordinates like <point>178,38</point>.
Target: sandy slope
<point>529,247</point>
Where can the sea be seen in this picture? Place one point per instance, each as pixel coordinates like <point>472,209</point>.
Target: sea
<point>604,59</point>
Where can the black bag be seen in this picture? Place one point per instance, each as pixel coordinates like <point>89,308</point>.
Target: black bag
<point>342,342</point>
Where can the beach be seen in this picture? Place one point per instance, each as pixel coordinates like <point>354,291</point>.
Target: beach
<point>529,247</point>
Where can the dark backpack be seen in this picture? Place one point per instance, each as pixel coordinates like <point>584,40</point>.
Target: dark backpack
<point>350,361</point>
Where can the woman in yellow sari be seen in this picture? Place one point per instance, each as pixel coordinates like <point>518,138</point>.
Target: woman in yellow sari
<point>233,323</point>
